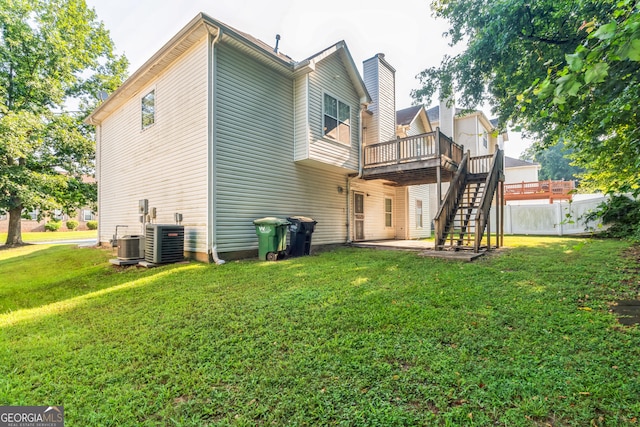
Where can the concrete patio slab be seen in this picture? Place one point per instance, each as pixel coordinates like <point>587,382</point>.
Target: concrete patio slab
<point>425,247</point>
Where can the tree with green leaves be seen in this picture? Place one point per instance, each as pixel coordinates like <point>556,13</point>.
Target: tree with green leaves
<point>555,162</point>
<point>563,71</point>
<point>52,53</point>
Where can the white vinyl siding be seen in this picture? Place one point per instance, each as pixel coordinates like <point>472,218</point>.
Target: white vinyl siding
<point>422,193</point>
<point>380,82</point>
<point>331,77</point>
<point>301,99</point>
<point>374,208</point>
<point>400,213</point>
<point>521,174</point>
<point>419,229</point>
<point>167,162</point>
<point>416,128</point>
<point>254,173</point>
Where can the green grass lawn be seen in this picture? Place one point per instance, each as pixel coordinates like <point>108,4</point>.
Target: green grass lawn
<point>42,236</point>
<point>351,337</point>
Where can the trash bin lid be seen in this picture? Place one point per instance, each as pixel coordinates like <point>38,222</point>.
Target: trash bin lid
<point>301,219</point>
<point>270,220</point>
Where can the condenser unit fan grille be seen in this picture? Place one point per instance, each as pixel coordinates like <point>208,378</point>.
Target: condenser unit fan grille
<point>164,243</point>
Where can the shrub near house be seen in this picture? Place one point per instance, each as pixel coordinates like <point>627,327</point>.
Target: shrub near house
<point>30,222</point>
<point>53,225</point>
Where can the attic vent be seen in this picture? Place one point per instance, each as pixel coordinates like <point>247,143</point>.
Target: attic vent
<point>277,41</point>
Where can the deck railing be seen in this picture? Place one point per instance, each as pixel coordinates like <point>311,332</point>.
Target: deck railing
<point>539,190</point>
<point>480,164</point>
<point>413,148</point>
<point>449,205</point>
<point>491,184</point>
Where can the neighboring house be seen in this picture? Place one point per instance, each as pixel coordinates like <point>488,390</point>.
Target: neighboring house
<point>473,130</point>
<point>32,224</point>
<point>30,220</point>
<point>516,171</point>
<point>220,127</point>
<point>410,122</point>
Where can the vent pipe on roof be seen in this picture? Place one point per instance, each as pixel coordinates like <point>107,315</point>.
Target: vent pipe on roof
<point>277,41</point>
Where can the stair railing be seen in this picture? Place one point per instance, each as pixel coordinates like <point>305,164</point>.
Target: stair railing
<point>491,185</point>
<point>449,205</point>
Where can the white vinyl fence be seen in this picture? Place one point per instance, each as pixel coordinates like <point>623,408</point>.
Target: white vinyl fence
<point>551,219</point>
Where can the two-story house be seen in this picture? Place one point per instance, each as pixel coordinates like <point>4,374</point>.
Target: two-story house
<point>223,129</point>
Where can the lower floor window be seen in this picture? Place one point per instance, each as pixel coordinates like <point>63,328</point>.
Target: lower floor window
<point>58,215</point>
<point>87,215</point>
<point>388,212</point>
<point>418,213</point>
<point>33,215</point>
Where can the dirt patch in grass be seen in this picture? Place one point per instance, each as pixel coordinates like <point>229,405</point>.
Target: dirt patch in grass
<point>627,308</point>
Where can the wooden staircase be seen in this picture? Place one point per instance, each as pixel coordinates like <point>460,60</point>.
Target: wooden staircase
<point>464,214</point>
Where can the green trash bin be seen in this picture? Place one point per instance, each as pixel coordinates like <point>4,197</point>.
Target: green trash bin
<point>272,237</point>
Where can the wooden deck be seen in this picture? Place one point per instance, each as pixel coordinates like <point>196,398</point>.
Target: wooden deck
<point>414,160</point>
<point>539,190</point>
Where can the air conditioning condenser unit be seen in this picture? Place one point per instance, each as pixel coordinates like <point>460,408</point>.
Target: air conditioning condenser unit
<point>164,243</point>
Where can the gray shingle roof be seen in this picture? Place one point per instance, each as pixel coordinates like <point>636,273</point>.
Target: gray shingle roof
<point>406,115</point>
<point>510,162</point>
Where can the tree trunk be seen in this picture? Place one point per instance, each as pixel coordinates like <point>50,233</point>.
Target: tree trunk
<point>14,237</point>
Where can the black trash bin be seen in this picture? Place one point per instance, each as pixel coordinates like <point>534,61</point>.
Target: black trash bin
<point>300,232</point>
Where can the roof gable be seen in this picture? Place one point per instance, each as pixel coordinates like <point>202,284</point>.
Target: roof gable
<point>407,116</point>
<point>343,53</point>
<point>195,31</point>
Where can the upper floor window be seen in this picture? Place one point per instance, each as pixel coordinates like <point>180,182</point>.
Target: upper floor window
<point>485,139</point>
<point>337,120</point>
<point>148,109</point>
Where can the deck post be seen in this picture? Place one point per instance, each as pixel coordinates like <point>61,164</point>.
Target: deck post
<point>502,203</point>
<point>489,231</point>
<point>438,168</point>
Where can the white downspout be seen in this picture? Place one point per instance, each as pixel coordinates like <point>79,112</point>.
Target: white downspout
<point>98,176</point>
<point>213,254</point>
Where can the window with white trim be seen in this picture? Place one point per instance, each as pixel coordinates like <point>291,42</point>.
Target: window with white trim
<point>148,109</point>
<point>388,212</point>
<point>418,213</point>
<point>58,215</point>
<point>87,215</point>
<point>33,215</point>
<point>485,139</point>
<point>337,120</point>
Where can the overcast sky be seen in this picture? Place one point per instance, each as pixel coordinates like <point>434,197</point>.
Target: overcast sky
<point>403,30</point>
